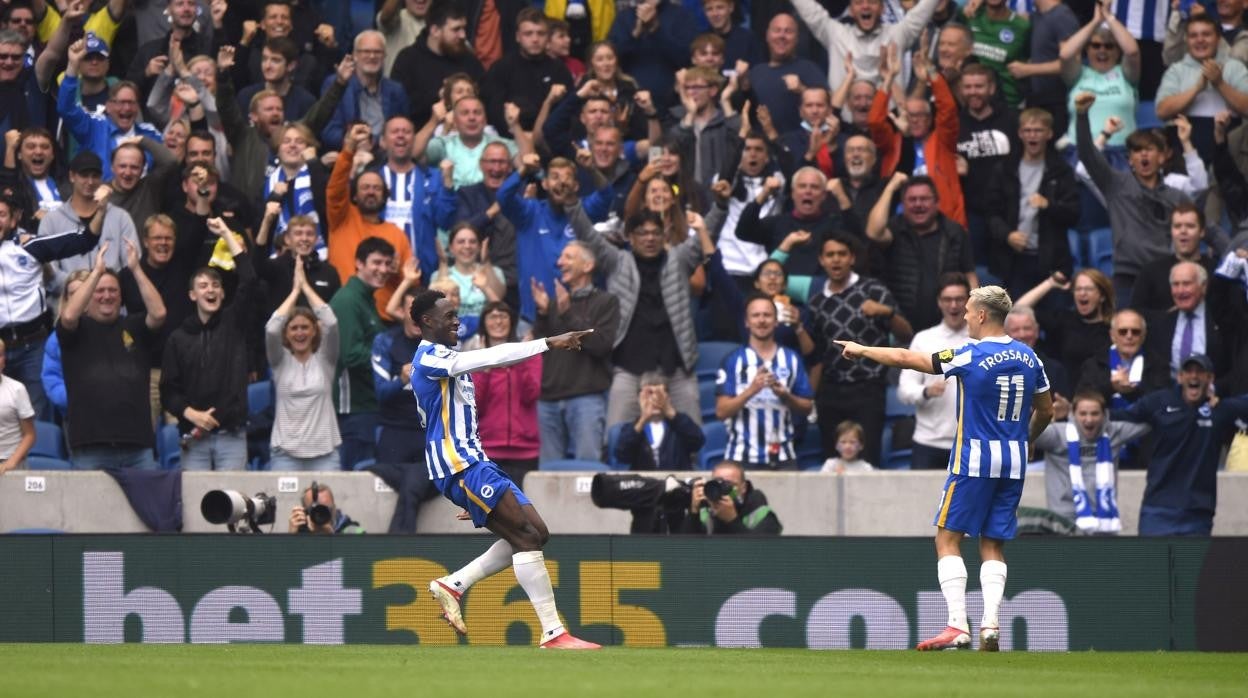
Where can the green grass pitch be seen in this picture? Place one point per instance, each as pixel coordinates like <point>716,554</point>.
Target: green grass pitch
<point>270,671</point>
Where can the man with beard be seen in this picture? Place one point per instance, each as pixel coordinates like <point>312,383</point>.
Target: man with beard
<point>355,207</point>
<point>921,245</point>
<point>252,138</point>
<point>1190,430</point>
<point>27,174</point>
<point>864,36</point>
<point>440,51</point>
<point>478,204</point>
<point>101,133</point>
<point>524,76</point>
<point>1139,201</point>
<point>233,207</point>
<point>861,182</point>
<point>542,227</point>
<point>419,201</point>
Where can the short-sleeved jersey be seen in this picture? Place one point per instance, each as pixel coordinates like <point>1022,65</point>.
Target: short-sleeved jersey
<point>448,408</point>
<point>764,419</point>
<point>997,378</point>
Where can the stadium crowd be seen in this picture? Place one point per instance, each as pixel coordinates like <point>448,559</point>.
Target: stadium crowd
<point>209,204</point>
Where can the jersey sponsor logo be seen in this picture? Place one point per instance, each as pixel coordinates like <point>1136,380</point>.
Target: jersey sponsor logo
<point>487,491</point>
<point>1171,409</point>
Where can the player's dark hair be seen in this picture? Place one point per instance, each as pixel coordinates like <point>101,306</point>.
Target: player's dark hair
<point>371,245</point>
<point>424,302</point>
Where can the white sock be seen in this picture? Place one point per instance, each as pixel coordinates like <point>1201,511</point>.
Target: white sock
<point>992,580</point>
<point>495,559</point>
<point>530,568</point>
<point>951,572</point>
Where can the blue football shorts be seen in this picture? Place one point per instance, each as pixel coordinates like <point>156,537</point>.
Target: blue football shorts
<point>479,489</point>
<point>980,506</point>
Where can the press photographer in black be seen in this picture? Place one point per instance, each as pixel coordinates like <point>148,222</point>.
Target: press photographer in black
<point>728,504</point>
<point>319,514</point>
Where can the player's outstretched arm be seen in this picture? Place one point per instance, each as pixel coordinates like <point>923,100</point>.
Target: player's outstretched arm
<point>504,355</point>
<point>889,356</point>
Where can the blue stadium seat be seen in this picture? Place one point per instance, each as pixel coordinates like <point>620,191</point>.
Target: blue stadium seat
<point>710,356</point>
<point>1076,247</point>
<point>716,441</point>
<point>364,464</point>
<point>1101,250</point>
<point>573,465</point>
<point>48,463</point>
<point>613,438</point>
<point>259,397</point>
<point>897,460</point>
<point>1146,116</point>
<point>706,399</point>
<point>49,441</point>
<point>169,446</point>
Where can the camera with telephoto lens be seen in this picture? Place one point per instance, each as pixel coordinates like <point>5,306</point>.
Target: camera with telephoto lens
<point>717,488</point>
<point>317,513</point>
<point>230,507</point>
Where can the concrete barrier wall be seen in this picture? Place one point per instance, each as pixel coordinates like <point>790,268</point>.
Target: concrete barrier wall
<point>811,504</point>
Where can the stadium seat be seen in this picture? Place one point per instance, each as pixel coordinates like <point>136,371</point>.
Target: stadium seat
<point>48,463</point>
<point>897,460</point>
<point>716,441</point>
<point>706,399</point>
<point>49,441</point>
<point>1075,241</point>
<point>364,464</point>
<point>259,397</point>
<point>573,465</point>
<point>710,356</point>
<point>613,438</point>
<point>169,446</point>
<point>1146,116</point>
<point>1101,250</point>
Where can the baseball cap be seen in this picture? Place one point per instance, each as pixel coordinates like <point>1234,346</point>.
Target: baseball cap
<point>96,45</point>
<point>86,161</point>
<point>1200,360</point>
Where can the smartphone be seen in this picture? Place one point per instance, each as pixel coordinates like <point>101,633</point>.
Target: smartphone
<point>656,152</point>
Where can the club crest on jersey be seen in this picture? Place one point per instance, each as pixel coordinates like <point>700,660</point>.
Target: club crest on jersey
<point>1006,36</point>
<point>467,391</point>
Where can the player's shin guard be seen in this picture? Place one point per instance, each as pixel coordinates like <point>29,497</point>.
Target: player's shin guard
<point>992,579</point>
<point>951,572</point>
<point>530,568</point>
<point>495,559</point>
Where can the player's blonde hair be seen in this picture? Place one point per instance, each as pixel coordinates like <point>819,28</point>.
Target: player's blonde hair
<point>994,301</point>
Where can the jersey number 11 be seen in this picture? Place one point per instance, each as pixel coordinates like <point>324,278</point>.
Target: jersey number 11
<point>1012,388</point>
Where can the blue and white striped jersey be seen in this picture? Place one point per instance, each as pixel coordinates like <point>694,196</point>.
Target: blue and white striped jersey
<point>765,418</point>
<point>997,378</point>
<point>446,400</point>
<point>400,204</point>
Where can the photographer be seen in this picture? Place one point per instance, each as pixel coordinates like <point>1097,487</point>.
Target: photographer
<point>318,514</point>
<point>728,504</point>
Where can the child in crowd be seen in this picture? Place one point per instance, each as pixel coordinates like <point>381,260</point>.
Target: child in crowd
<point>849,445</point>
